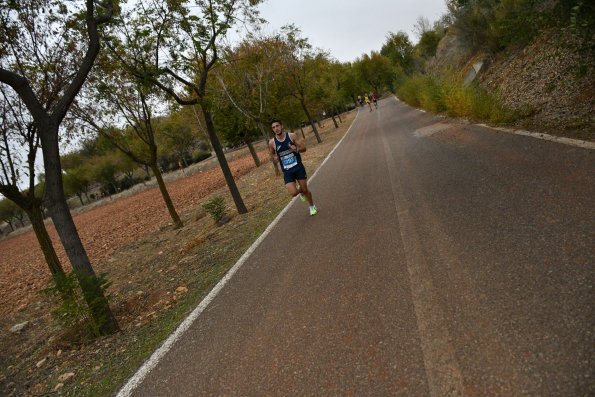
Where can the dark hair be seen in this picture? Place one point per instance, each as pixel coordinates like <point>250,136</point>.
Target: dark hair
<point>276,121</point>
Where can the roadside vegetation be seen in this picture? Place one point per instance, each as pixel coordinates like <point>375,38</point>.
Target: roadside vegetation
<point>451,96</point>
<point>137,93</point>
<point>492,29</point>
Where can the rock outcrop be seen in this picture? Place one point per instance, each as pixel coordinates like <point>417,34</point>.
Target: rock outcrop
<point>548,82</point>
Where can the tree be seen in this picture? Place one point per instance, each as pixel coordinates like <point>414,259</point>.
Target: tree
<point>76,182</point>
<point>297,72</point>
<point>176,137</point>
<point>422,25</point>
<point>376,70</point>
<point>103,169</point>
<point>19,146</point>
<point>247,77</point>
<point>236,129</point>
<point>122,96</point>
<point>350,81</point>
<point>248,81</point>
<point>46,54</point>
<point>399,50</point>
<point>9,212</point>
<point>190,35</point>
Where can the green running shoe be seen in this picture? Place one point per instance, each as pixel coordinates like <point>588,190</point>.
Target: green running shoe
<point>302,197</point>
<point>313,210</point>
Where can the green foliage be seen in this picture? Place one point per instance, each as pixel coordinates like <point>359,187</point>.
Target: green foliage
<point>216,207</point>
<point>10,212</point>
<point>175,137</point>
<point>72,312</point>
<point>103,169</point>
<point>96,146</point>
<point>76,181</point>
<point>428,43</point>
<point>72,160</point>
<point>498,24</point>
<point>515,22</point>
<point>450,95</point>
<point>376,70</point>
<point>399,50</point>
<point>199,155</point>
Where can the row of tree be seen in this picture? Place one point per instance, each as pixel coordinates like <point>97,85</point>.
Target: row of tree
<point>151,85</point>
<point>147,80</point>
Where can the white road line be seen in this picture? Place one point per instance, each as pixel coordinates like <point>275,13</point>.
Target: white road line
<point>538,135</point>
<point>545,137</point>
<point>152,362</point>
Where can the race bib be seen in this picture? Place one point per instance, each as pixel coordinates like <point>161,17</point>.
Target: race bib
<point>288,161</point>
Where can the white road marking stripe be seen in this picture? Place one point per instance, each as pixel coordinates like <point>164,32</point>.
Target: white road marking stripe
<point>545,137</point>
<point>158,354</point>
<point>538,135</point>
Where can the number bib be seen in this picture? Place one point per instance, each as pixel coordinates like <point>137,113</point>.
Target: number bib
<point>288,161</point>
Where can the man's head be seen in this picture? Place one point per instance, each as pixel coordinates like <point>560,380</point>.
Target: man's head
<point>277,126</point>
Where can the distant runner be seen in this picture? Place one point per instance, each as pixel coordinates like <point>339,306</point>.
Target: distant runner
<point>367,99</point>
<point>375,100</point>
<point>285,148</point>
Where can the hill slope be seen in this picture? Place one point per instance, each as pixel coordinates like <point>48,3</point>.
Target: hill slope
<point>547,81</point>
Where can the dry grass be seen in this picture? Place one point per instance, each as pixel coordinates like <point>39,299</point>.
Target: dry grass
<point>156,280</point>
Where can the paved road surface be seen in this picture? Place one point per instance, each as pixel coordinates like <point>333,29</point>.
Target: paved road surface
<point>446,260</point>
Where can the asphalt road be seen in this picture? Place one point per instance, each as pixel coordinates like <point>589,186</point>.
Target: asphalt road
<point>445,260</point>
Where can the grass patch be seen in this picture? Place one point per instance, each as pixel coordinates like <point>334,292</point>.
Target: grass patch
<point>449,95</point>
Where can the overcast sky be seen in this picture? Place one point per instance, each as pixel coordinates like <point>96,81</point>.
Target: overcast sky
<point>350,28</point>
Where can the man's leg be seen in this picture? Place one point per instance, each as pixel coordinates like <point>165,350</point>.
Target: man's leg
<point>305,191</point>
<point>292,188</point>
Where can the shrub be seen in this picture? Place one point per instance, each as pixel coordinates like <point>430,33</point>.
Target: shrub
<point>216,207</point>
<point>432,95</point>
<point>73,313</point>
<point>449,94</point>
<point>200,155</point>
<point>407,89</point>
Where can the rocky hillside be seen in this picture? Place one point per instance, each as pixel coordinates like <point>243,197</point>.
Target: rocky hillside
<point>546,81</point>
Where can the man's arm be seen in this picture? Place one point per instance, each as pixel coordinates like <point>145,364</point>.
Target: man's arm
<point>272,152</point>
<point>300,145</point>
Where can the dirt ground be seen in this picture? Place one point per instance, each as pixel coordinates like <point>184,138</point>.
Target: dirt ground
<point>157,273</point>
<point>23,271</point>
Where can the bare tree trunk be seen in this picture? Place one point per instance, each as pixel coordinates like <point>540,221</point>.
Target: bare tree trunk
<point>60,214</point>
<point>334,121</point>
<point>305,108</point>
<point>235,193</point>
<point>166,197</point>
<point>51,258</point>
<point>339,115</point>
<point>303,135</point>
<point>252,151</point>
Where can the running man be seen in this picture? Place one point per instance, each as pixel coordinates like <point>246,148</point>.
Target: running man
<point>367,99</point>
<point>285,148</point>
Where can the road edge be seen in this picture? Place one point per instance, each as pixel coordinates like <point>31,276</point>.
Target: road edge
<point>538,135</point>
<point>144,370</point>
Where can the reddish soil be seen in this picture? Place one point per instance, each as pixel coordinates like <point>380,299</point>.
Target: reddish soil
<point>104,230</point>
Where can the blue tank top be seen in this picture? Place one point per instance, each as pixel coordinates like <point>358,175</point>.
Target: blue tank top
<point>287,157</point>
